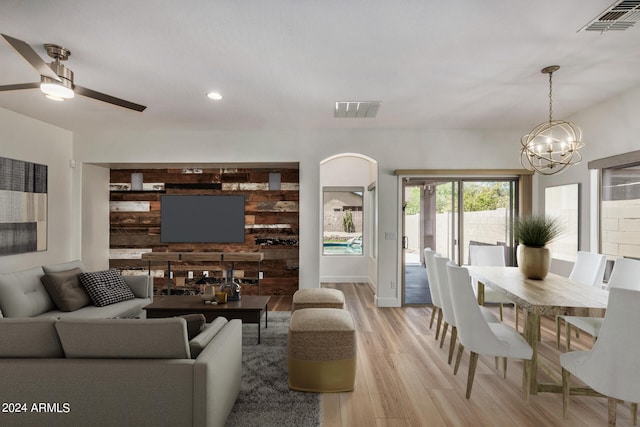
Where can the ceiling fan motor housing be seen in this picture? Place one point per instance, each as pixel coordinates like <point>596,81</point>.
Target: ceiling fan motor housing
<point>65,74</point>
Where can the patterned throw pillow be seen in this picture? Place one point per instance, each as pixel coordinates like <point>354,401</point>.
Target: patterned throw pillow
<point>105,287</point>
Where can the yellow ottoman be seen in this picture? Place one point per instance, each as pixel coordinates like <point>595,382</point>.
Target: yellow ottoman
<point>317,298</point>
<point>322,350</point>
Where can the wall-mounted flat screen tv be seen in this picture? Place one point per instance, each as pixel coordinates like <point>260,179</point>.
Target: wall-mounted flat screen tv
<point>201,219</point>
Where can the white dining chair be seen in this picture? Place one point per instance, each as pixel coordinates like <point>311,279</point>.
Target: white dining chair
<point>625,274</point>
<point>587,270</point>
<point>475,333</point>
<point>447,306</point>
<point>492,256</point>
<point>612,367</point>
<point>433,289</point>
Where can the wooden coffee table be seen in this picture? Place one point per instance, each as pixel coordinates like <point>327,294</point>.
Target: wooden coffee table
<point>249,309</point>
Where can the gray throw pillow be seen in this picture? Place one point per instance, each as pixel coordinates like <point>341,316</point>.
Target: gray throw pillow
<point>105,287</point>
<point>65,290</point>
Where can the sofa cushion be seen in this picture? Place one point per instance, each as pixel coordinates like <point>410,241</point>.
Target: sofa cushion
<point>105,287</point>
<point>29,338</point>
<point>200,341</point>
<point>22,294</point>
<point>141,286</point>
<point>65,289</point>
<point>124,338</point>
<point>195,323</point>
<point>132,308</point>
<point>64,266</point>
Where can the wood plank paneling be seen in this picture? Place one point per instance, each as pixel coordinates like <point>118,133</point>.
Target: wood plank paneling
<point>271,218</point>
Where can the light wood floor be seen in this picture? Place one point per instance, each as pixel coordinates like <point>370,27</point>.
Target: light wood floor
<point>403,378</point>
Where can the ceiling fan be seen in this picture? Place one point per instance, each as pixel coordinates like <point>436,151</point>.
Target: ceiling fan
<point>56,80</point>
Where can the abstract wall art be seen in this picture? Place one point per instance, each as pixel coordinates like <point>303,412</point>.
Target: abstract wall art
<point>23,207</point>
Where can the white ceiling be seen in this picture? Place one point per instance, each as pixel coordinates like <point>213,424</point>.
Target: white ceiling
<point>282,64</point>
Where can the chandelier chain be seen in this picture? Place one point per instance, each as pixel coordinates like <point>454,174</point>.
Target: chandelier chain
<point>550,98</point>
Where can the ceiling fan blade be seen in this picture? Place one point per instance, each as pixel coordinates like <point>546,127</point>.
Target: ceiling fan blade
<point>20,86</point>
<point>108,98</point>
<point>32,57</point>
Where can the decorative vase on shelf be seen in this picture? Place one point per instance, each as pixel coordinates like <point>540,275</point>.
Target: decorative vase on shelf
<point>231,287</point>
<point>534,232</point>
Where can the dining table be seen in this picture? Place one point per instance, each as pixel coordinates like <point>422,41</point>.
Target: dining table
<point>552,296</point>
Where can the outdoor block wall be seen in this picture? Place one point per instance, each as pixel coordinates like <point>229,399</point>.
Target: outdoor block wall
<point>620,227</point>
<point>271,226</point>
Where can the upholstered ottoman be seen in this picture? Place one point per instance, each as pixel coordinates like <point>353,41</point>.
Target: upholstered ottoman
<point>322,350</point>
<point>317,298</point>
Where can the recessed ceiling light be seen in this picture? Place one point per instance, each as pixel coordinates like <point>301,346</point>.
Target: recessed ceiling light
<point>215,96</point>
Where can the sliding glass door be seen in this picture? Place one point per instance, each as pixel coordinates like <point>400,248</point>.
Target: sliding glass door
<point>448,215</point>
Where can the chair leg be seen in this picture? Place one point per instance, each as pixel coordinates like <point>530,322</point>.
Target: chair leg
<point>515,308</point>
<point>444,333</point>
<point>540,332</point>
<point>567,335</point>
<point>433,316</point>
<point>634,413</point>
<point>504,367</point>
<point>612,411</point>
<point>452,343</point>
<point>501,319</point>
<point>565,392</point>
<point>558,329</point>
<point>439,323</point>
<point>473,362</point>
<point>458,358</point>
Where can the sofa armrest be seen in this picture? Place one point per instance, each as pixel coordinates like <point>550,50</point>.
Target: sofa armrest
<point>141,286</point>
<point>200,341</point>
<point>217,376</point>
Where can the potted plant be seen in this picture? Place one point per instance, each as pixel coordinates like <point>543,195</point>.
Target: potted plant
<point>533,232</point>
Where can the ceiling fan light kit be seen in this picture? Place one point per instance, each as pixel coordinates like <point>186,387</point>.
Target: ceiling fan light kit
<point>554,145</point>
<point>56,80</point>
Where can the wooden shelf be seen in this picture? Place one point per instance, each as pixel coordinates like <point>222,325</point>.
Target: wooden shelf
<point>232,257</point>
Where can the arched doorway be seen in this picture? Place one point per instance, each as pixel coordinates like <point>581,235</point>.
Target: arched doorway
<point>348,219</point>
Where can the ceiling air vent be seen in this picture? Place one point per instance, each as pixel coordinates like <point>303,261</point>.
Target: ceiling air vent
<point>619,16</point>
<point>356,109</point>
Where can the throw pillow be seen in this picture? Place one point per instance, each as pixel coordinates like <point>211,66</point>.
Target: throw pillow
<point>65,290</point>
<point>105,287</point>
<point>195,323</point>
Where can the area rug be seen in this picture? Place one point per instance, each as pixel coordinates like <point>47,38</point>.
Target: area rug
<point>265,399</point>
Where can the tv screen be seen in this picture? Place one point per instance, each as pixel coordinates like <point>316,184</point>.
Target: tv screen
<point>201,219</point>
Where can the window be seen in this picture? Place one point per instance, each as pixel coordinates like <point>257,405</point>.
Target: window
<point>342,220</point>
<point>620,212</point>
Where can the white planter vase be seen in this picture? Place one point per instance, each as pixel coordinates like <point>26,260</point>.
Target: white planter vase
<point>533,262</point>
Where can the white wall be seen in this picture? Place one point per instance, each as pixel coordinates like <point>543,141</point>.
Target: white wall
<point>95,217</point>
<point>33,141</point>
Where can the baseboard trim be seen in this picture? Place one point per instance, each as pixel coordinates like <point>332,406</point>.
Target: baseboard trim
<point>344,279</point>
<point>386,302</point>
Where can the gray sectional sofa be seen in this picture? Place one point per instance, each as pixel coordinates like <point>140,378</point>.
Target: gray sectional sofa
<point>118,372</point>
<point>89,365</point>
<point>22,294</point>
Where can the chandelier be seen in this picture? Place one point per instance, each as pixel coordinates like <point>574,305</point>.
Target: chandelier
<point>551,146</point>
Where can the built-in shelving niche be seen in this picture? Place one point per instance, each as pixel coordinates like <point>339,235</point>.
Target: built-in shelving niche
<point>271,226</point>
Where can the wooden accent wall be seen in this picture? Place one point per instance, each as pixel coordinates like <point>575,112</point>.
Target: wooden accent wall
<point>271,226</point>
